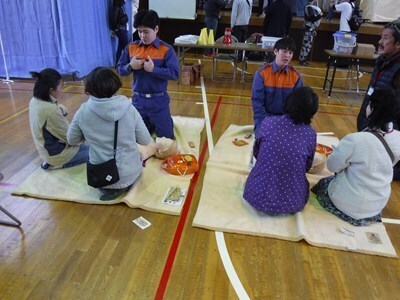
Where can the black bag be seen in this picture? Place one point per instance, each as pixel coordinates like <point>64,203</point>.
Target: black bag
<point>106,173</point>
<point>102,174</point>
<point>356,18</point>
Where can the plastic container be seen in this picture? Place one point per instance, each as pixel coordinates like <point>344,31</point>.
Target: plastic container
<point>344,42</point>
<point>268,42</point>
<point>228,36</point>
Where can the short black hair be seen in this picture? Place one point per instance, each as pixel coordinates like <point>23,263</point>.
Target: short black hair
<point>395,27</point>
<point>46,80</point>
<point>301,105</point>
<point>102,82</point>
<point>146,18</point>
<point>286,43</point>
<point>385,107</point>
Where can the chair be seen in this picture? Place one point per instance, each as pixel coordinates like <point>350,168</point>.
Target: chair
<point>256,58</point>
<point>226,58</point>
<point>17,222</point>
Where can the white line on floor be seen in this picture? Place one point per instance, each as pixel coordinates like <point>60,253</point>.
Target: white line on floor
<point>219,236</point>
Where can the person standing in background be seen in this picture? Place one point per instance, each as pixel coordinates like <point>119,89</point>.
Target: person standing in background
<point>346,9</point>
<point>312,19</point>
<point>240,17</point>
<point>119,26</point>
<point>278,19</point>
<point>212,9</point>
<point>135,9</point>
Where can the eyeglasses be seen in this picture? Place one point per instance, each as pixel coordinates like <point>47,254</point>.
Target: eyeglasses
<point>395,25</point>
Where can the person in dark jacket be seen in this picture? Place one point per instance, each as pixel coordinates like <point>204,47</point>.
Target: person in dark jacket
<point>118,25</point>
<point>212,9</point>
<point>278,19</point>
<point>386,74</point>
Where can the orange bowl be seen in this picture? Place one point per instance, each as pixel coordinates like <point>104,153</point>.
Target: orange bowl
<point>180,164</point>
<point>323,149</point>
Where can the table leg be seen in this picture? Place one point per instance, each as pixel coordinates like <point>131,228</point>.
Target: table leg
<point>333,78</point>
<point>327,72</point>
<point>358,78</point>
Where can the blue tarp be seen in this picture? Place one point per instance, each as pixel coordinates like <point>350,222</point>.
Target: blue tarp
<point>71,36</point>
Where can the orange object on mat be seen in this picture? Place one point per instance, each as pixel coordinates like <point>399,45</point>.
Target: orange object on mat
<point>324,149</point>
<point>180,164</point>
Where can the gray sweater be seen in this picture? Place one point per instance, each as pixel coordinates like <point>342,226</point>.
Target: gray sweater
<point>95,122</point>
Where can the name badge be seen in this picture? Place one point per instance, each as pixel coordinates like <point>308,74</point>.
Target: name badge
<point>370,91</point>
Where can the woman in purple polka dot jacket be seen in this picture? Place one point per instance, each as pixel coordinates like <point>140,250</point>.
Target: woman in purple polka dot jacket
<point>284,150</point>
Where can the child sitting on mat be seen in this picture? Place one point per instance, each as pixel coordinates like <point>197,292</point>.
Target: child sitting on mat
<point>284,149</point>
<point>364,169</point>
<point>95,123</point>
<point>49,124</point>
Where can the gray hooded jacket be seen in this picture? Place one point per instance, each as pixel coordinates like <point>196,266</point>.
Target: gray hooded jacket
<point>95,123</point>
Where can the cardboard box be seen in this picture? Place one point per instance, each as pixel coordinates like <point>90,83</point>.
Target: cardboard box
<point>191,73</point>
<point>187,74</point>
<point>197,68</point>
<point>364,49</point>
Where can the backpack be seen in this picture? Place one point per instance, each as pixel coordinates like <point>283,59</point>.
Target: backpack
<point>255,39</point>
<point>356,18</point>
<point>313,14</point>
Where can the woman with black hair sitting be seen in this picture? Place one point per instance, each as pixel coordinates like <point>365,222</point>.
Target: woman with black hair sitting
<point>284,149</point>
<point>363,166</point>
<point>95,122</point>
<point>49,124</point>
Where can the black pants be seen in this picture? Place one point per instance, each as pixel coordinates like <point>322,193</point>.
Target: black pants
<point>260,7</point>
<point>240,32</point>
<point>122,35</point>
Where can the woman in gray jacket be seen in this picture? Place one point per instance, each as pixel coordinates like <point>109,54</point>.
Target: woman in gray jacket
<point>95,123</point>
<point>49,124</point>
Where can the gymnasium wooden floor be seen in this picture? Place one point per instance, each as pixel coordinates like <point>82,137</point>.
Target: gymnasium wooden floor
<point>66,250</point>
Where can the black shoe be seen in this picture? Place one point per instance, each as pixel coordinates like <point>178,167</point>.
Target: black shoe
<point>304,63</point>
<point>112,194</point>
<point>46,166</point>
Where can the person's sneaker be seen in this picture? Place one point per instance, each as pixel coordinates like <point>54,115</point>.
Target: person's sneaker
<point>304,63</point>
<point>46,166</point>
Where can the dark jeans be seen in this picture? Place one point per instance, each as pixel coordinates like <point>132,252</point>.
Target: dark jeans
<point>122,35</point>
<point>240,32</point>
<point>211,23</point>
<point>260,7</point>
<point>135,36</point>
<point>82,156</point>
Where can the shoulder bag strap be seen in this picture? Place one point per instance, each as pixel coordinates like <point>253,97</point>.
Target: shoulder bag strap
<point>389,151</point>
<point>115,137</point>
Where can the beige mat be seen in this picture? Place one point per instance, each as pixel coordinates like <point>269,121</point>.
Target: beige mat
<point>221,206</point>
<point>147,193</point>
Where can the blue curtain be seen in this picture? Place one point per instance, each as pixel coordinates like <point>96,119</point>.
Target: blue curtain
<point>71,36</point>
